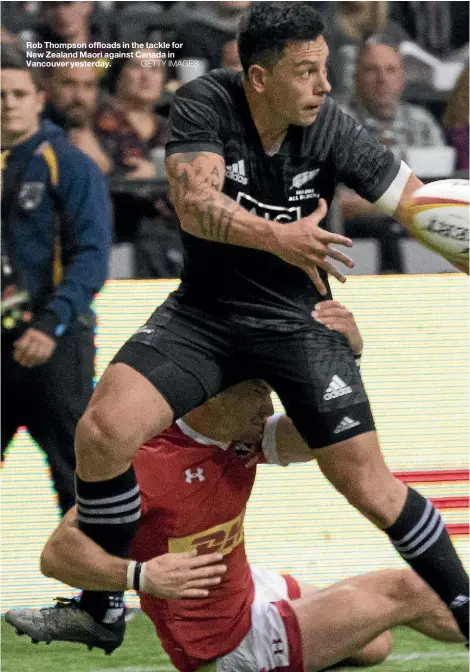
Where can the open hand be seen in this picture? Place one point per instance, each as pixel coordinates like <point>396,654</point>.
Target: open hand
<point>183,575</point>
<point>306,245</point>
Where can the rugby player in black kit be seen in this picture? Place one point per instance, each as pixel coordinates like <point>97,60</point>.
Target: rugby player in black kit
<point>253,162</point>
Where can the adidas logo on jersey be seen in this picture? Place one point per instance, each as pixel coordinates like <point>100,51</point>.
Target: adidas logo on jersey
<point>336,388</point>
<point>345,424</point>
<point>236,172</point>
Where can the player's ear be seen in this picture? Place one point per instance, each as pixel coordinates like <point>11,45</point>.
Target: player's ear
<point>257,77</point>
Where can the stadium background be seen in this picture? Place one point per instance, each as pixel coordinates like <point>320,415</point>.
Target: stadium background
<point>415,369</point>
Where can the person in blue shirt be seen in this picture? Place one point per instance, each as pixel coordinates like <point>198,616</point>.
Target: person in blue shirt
<point>56,236</point>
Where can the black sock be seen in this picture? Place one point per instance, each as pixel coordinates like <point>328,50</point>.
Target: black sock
<point>108,513</point>
<point>420,537</point>
<point>104,607</point>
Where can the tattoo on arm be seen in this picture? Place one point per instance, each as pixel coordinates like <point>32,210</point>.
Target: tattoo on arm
<point>196,180</point>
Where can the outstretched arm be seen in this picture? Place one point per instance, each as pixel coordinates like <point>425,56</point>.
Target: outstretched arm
<point>196,180</point>
<point>73,558</point>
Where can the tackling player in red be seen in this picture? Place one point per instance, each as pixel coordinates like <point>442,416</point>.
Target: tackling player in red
<point>195,484</point>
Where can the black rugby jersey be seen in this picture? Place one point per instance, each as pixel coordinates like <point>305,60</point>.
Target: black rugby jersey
<point>253,287</point>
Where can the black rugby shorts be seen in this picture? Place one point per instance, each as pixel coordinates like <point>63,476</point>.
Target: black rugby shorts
<point>190,356</point>
<point>314,372</point>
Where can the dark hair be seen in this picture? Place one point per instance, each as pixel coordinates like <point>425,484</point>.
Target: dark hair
<point>115,71</point>
<point>267,27</point>
<point>15,59</point>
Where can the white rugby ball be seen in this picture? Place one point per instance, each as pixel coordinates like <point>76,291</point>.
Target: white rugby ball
<point>439,218</point>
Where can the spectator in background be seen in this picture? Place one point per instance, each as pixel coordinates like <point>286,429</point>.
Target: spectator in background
<point>72,103</point>
<point>377,101</point>
<point>377,106</point>
<point>66,22</point>
<point>7,37</point>
<point>56,231</point>
<point>70,22</point>
<point>133,134</point>
<point>456,121</point>
<point>440,28</point>
<point>351,25</point>
<point>134,137</point>
<point>206,32</point>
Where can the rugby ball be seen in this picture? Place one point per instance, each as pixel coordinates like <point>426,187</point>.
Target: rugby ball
<point>438,217</point>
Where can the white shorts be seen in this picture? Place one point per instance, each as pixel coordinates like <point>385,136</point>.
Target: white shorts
<point>273,643</point>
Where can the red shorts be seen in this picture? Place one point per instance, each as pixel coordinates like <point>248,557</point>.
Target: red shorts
<point>273,643</point>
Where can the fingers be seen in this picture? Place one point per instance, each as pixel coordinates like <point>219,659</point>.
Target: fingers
<point>335,326</point>
<point>252,461</point>
<point>331,270</point>
<point>317,281</point>
<point>193,593</point>
<point>328,312</point>
<point>189,554</point>
<point>214,571</point>
<point>322,209</point>
<point>339,256</point>
<point>33,348</point>
<point>33,354</point>
<point>328,238</point>
<point>203,583</point>
<point>195,561</point>
<point>26,354</point>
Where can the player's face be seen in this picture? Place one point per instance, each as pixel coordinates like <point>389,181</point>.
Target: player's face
<point>245,408</point>
<point>22,104</point>
<point>298,84</point>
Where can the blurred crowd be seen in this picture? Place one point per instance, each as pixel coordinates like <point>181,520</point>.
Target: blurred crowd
<point>118,115</point>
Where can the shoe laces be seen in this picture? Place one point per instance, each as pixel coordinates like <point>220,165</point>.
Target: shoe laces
<point>64,602</point>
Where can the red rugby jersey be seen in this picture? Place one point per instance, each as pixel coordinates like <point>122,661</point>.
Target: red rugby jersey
<point>194,494</point>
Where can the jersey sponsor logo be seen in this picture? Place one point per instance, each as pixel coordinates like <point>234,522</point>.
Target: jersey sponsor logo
<point>337,388</point>
<point>274,213</point>
<point>31,194</point>
<point>236,172</point>
<point>190,475</point>
<point>345,424</point>
<point>222,538</point>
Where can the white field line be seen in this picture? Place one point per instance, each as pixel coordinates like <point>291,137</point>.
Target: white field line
<point>158,668</point>
<point>429,654</point>
<point>405,657</point>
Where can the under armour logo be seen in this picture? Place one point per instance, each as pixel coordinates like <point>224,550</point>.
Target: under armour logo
<point>197,474</point>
